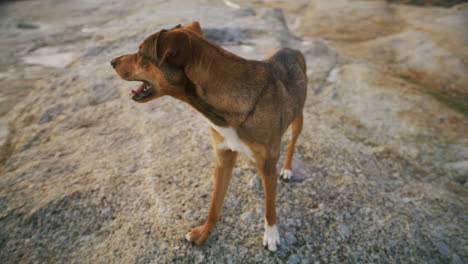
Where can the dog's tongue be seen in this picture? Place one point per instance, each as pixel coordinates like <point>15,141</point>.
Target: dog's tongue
<point>139,89</point>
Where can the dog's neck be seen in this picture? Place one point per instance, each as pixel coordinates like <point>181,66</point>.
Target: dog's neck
<point>226,87</point>
<point>211,113</point>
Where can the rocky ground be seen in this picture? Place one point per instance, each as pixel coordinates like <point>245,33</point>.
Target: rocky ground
<point>88,176</point>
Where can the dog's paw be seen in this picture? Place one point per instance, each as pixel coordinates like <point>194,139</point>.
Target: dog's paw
<point>198,235</point>
<point>271,238</point>
<point>286,175</point>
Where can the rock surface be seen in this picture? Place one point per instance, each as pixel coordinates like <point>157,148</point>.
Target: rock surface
<point>88,176</point>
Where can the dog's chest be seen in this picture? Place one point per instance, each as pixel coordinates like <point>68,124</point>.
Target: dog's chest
<point>232,141</point>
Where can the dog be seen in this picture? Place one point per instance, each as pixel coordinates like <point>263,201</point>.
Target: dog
<point>249,105</point>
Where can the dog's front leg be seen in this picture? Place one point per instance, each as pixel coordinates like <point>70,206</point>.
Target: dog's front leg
<point>225,161</point>
<point>267,168</point>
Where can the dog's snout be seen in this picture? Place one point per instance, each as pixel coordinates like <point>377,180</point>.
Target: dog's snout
<point>113,62</point>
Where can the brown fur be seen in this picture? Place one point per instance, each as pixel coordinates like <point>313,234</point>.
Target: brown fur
<point>259,99</point>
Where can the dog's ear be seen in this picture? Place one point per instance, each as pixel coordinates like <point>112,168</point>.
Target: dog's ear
<point>195,26</point>
<point>148,48</point>
<point>173,47</point>
<point>175,27</point>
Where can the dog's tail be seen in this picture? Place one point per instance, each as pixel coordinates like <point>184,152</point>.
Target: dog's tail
<point>302,62</point>
<point>287,56</point>
<point>289,66</point>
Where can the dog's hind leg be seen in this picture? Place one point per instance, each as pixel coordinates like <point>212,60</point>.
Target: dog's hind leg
<point>225,161</point>
<point>296,127</point>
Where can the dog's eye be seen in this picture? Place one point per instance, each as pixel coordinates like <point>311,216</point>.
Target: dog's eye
<point>143,56</point>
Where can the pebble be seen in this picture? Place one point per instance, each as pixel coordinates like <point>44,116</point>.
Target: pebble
<point>290,238</point>
<point>58,60</point>
<point>50,114</point>
<point>457,259</point>
<point>163,246</point>
<point>343,229</point>
<point>100,93</point>
<point>255,183</point>
<point>63,239</point>
<point>106,210</point>
<point>443,249</point>
<point>462,179</point>
<point>25,25</point>
<point>200,258</point>
<point>247,217</point>
<point>229,259</point>
<point>131,168</point>
<point>293,259</point>
<point>259,258</point>
<point>237,172</point>
<point>190,215</point>
<point>347,215</point>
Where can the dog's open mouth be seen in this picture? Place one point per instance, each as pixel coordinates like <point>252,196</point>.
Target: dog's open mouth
<point>143,91</point>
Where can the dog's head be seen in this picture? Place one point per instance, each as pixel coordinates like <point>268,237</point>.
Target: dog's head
<point>159,62</point>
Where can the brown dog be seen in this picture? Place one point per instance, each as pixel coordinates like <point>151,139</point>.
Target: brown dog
<point>249,105</point>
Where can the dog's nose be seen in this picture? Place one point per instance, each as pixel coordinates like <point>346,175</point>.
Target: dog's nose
<point>114,62</point>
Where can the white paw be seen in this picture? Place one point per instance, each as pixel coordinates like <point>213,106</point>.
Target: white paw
<point>286,174</point>
<point>271,238</point>
<point>188,238</point>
